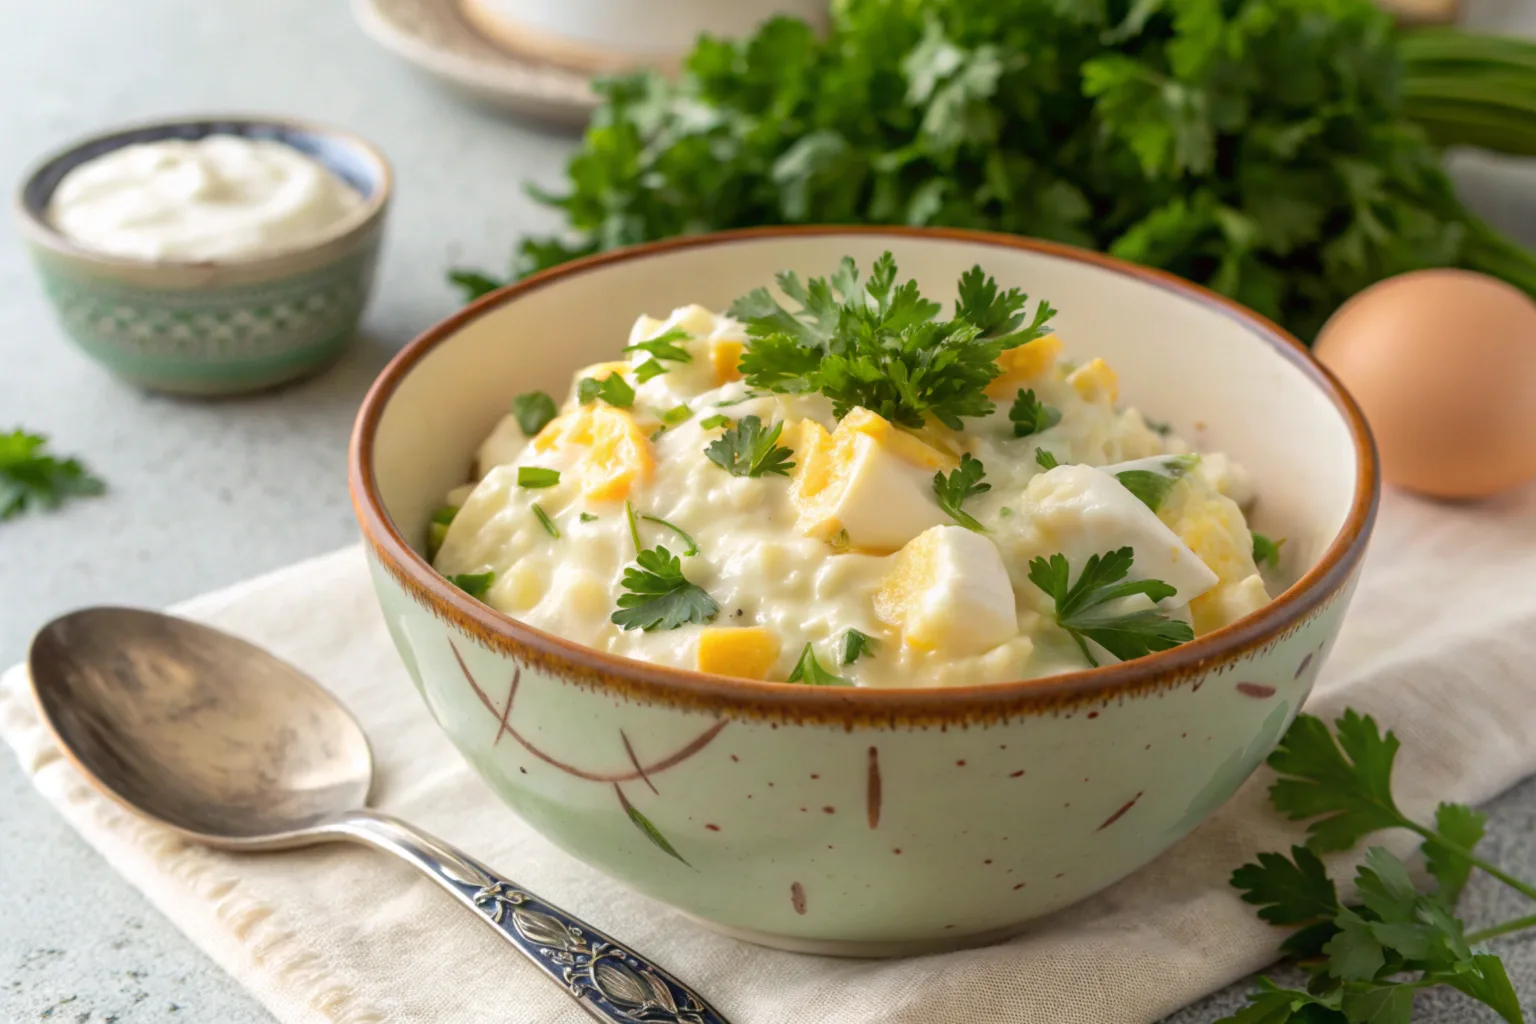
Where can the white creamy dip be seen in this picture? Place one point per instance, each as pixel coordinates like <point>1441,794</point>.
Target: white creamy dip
<point>214,198</point>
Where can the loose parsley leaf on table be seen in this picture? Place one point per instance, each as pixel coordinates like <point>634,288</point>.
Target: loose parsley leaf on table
<point>877,345</point>
<point>963,483</point>
<point>809,671</point>
<point>30,475</point>
<point>660,596</point>
<point>613,389</point>
<point>1367,960</point>
<point>1030,415</point>
<point>533,410</point>
<point>1081,607</point>
<point>746,449</point>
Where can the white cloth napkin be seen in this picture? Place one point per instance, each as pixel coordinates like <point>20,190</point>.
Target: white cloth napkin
<point>1440,646</point>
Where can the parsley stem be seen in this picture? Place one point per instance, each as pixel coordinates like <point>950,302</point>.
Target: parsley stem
<point>634,530</point>
<point>1518,924</point>
<point>693,545</point>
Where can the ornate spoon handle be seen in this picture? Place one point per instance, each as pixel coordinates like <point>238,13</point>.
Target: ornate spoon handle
<point>611,981</point>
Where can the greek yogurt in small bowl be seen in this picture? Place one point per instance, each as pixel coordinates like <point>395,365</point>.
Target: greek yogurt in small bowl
<point>211,255</point>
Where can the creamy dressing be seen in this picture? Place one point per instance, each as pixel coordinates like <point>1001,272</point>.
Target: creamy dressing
<point>214,198</point>
<point>945,606</point>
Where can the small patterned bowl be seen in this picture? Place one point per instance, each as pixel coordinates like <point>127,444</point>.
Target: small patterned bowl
<point>214,327</point>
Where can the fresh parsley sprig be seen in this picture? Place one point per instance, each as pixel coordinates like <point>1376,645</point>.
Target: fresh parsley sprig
<point>877,344</point>
<point>963,483</point>
<point>1367,961</point>
<point>660,596</point>
<point>1082,607</point>
<point>1030,415</point>
<point>29,475</point>
<point>746,449</point>
<point>809,671</point>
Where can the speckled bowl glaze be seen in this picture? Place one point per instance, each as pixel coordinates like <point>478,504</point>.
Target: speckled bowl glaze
<point>866,821</point>
<point>212,327</point>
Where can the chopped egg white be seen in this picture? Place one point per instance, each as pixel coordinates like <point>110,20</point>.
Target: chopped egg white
<point>852,537</point>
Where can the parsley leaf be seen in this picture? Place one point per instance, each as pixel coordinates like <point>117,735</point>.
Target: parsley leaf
<point>855,645</point>
<point>963,482</point>
<point>533,410</point>
<point>537,476</point>
<point>1288,891</point>
<point>1030,415</point>
<point>1451,868</point>
<point>1345,785</point>
<point>475,584</point>
<point>29,475</point>
<point>588,517</point>
<point>1081,607</point>
<point>660,596</point>
<point>717,420</point>
<point>1044,459</point>
<point>675,415</point>
<point>746,449</point>
<point>1266,551</point>
<point>662,347</point>
<point>437,529</point>
<point>809,671</point>
<point>1151,486</point>
<point>613,389</point>
<point>876,345</point>
<point>648,369</point>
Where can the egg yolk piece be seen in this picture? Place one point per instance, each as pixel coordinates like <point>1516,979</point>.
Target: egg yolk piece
<point>1023,365</point>
<point>949,590</point>
<point>746,652</point>
<point>867,478</point>
<point>1212,526</point>
<point>614,452</point>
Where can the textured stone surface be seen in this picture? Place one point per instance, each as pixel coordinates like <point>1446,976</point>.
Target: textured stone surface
<point>206,494</point>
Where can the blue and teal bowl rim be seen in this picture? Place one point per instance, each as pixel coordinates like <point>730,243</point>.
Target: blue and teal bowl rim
<point>350,157</point>
<point>196,326</point>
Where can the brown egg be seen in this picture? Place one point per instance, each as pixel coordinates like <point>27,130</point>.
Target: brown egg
<point>1444,364</point>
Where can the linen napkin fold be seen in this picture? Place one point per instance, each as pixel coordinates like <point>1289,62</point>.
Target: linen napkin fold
<point>1439,646</point>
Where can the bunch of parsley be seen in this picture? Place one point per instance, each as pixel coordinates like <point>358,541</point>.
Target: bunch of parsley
<point>1257,146</point>
<point>1366,959</point>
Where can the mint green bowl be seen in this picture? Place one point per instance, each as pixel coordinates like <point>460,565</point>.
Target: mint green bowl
<point>214,327</point>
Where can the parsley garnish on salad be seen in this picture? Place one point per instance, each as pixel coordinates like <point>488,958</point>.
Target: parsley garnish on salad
<point>537,476</point>
<point>809,671</point>
<point>475,584</point>
<point>662,347</point>
<point>29,475</point>
<point>533,410</point>
<point>877,345</point>
<point>648,369</point>
<point>660,596</point>
<point>437,529</point>
<point>1045,460</point>
<point>1030,415</point>
<point>1266,552</point>
<point>613,389</point>
<point>855,645</point>
<point>963,483</point>
<point>693,545</point>
<point>746,449</point>
<point>1152,486</point>
<point>546,522</point>
<point>1081,607</point>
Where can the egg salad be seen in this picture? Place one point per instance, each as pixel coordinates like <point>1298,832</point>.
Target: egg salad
<point>853,492</point>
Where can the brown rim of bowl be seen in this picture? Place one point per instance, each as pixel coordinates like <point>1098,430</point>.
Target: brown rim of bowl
<point>38,230</point>
<point>850,706</point>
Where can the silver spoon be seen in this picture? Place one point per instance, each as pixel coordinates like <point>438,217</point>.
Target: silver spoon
<point>233,747</point>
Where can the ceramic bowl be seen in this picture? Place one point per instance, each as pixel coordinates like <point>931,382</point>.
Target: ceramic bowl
<point>214,326</point>
<point>867,821</point>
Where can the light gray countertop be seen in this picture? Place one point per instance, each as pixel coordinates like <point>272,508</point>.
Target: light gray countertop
<point>203,494</point>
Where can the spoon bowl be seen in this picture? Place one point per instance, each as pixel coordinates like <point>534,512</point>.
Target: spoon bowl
<point>233,747</point>
<point>198,729</point>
